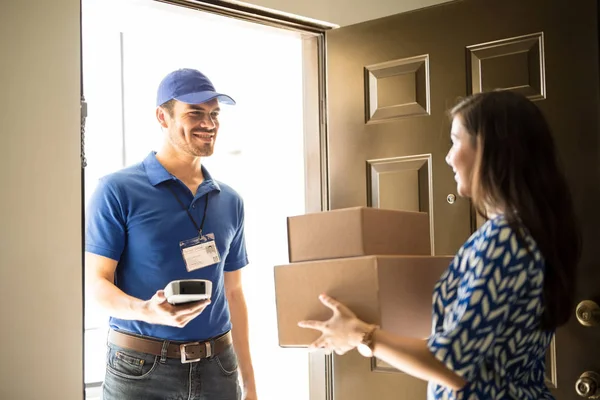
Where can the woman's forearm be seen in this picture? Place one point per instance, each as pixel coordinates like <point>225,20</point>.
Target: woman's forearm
<point>414,357</point>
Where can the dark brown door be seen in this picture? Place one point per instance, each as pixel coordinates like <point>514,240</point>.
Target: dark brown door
<point>390,82</point>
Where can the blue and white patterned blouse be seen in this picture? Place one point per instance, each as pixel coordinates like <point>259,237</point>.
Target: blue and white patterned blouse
<point>486,310</point>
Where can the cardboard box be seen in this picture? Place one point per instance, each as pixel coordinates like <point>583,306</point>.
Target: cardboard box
<point>358,231</point>
<point>394,292</point>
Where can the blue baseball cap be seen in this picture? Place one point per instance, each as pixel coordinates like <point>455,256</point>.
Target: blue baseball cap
<point>188,86</point>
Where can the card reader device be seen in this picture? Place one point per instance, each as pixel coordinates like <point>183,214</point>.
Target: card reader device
<point>188,290</point>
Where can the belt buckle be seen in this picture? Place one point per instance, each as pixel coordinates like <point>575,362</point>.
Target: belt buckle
<point>184,359</point>
<point>183,353</point>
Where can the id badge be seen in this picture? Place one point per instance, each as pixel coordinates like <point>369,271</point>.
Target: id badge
<point>200,252</point>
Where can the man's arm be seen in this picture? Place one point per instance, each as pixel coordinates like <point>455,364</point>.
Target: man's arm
<point>106,229</point>
<point>99,285</point>
<point>240,331</point>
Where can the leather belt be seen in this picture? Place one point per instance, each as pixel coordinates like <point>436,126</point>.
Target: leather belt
<point>186,352</point>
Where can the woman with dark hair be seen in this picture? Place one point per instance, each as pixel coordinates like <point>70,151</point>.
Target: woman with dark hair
<point>496,308</point>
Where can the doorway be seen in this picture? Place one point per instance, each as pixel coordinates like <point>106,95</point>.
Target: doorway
<point>128,46</point>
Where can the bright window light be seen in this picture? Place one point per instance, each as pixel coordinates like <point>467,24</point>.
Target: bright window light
<point>128,47</point>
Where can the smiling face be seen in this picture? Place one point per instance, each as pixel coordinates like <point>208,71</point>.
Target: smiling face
<point>191,129</point>
<point>461,157</point>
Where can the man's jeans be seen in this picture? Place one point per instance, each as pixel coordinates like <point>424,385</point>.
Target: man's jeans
<point>132,375</point>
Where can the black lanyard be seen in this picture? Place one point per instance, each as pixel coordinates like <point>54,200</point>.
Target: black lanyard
<point>199,229</point>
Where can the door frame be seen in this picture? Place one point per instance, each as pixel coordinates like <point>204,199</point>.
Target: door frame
<point>315,140</point>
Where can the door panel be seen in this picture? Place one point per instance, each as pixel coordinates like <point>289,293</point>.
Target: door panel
<point>390,83</point>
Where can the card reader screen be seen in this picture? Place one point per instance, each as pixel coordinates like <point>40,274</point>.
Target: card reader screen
<point>192,288</point>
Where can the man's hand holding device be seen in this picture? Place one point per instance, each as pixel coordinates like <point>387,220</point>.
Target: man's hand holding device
<point>180,302</point>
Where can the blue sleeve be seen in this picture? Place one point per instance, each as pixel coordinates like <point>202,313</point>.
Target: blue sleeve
<point>494,278</point>
<point>105,222</point>
<point>237,257</point>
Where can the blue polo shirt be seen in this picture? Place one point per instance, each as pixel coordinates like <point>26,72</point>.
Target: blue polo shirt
<point>134,218</point>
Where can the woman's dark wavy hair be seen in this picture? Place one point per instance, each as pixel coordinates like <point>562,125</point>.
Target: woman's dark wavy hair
<point>517,169</point>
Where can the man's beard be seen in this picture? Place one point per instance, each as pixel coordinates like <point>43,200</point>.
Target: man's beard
<point>197,150</point>
<point>204,150</point>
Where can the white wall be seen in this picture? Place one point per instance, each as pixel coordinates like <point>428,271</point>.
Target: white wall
<point>343,12</point>
<point>40,223</point>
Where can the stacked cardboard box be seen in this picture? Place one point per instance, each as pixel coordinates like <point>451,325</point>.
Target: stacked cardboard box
<point>377,262</point>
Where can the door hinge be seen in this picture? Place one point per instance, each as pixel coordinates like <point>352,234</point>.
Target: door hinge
<point>84,113</point>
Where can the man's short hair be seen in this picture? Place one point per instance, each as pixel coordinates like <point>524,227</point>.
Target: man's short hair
<point>168,106</point>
